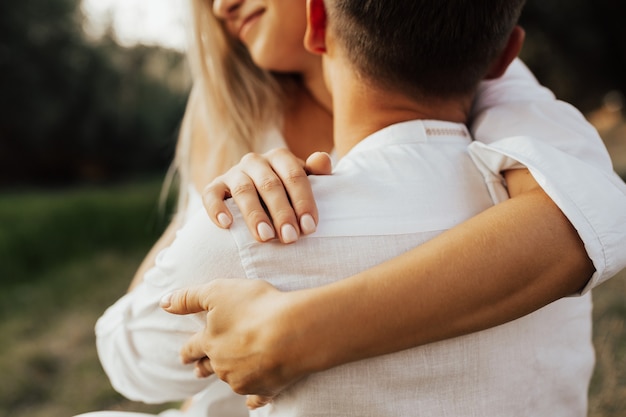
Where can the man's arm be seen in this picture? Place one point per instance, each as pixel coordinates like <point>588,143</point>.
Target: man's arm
<point>522,121</point>
<point>506,262</point>
<point>500,265</point>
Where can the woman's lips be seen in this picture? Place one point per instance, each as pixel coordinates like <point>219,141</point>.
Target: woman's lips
<point>248,22</point>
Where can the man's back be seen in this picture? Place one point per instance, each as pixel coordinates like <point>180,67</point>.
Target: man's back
<point>393,191</point>
<point>396,189</point>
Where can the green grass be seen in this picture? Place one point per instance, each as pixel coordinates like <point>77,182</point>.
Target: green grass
<point>608,387</point>
<point>65,256</point>
<point>43,230</point>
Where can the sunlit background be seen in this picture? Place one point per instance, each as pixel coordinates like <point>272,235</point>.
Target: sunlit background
<point>157,22</point>
<point>91,97</point>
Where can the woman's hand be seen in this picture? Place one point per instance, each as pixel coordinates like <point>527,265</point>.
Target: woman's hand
<point>241,341</point>
<point>273,193</point>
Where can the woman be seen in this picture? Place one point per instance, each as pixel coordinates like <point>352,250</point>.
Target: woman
<point>256,24</point>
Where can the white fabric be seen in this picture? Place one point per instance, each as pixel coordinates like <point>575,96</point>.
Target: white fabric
<point>505,108</point>
<point>136,366</point>
<point>538,365</point>
<point>524,125</point>
<point>270,140</point>
<point>602,227</point>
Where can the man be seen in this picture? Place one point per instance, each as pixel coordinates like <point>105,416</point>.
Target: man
<point>399,109</point>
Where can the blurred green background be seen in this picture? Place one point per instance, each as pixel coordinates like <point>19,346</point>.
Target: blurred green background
<point>87,130</point>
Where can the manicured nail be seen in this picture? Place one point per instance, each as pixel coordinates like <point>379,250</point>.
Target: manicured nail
<point>166,301</point>
<point>307,224</point>
<point>289,233</point>
<point>265,231</point>
<point>223,220</point>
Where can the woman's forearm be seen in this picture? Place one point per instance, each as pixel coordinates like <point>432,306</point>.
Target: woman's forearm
<point>500,265</point>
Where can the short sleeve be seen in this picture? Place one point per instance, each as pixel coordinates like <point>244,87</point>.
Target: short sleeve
<point>516,122</point>
<point>593,199</point>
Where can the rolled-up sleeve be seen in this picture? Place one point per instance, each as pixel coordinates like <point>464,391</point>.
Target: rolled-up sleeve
<point>516,105</point>
<point>140,352</point>
<point>518,123</point>
<point>592,199</point>
<point>139,343</point>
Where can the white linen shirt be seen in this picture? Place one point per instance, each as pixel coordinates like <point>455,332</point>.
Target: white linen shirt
<point>537,365</point>
<point>517,120</point>
<point>517,123</point>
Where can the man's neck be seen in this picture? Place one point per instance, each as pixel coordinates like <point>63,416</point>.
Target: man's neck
<point>360,110</point>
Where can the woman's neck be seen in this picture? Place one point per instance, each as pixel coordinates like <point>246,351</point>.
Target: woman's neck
<point>308,123</point>
<point>314,83</point>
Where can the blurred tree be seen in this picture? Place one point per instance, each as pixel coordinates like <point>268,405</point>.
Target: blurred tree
<point>577,47</point>
<point>73,109</point>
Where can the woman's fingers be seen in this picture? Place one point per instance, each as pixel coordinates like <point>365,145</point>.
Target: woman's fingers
<point>265,173</point>
<point>319,163</point>
<point>273,193</point>
<point>193,350</point>
<point>302,210</point>
<point>237,184</point>
<point>247,336</point>
<point>255,401</point>
<point>213,198</point>
<point>203,368</point>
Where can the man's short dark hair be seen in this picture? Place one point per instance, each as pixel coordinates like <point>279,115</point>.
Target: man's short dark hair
<point>432,48</point>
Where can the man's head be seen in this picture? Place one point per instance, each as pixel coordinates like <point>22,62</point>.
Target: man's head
<point>427,48</point>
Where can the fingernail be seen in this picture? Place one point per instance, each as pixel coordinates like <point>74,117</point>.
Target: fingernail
<point>307,224</point>
<point>166,301</point>
<point>265,231</point>
<point>288,233</point>
<point>223,220</point>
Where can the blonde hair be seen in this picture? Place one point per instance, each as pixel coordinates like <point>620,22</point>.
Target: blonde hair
<point>232,100</point>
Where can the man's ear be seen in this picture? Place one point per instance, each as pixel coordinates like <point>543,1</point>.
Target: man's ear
<point>315,36</point>
<point>508,54</point>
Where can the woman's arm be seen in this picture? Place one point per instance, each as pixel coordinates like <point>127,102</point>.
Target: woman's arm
<point>138,343</point>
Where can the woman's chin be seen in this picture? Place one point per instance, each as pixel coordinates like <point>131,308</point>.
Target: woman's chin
<point>270,62</point>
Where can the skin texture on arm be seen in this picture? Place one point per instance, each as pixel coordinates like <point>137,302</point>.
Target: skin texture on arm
<point>500,265</point>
